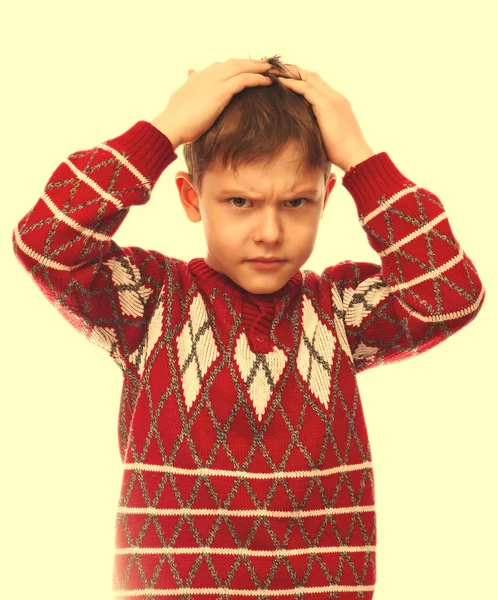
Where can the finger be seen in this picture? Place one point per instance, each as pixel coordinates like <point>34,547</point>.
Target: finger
<point>262,65</point>
<point>244,80</point>
<point>296,85</point>
<point>234,69</point>
<point>288,84</point>
<point>310,82</point>
<point>289,81</point>
<point>252,80</point>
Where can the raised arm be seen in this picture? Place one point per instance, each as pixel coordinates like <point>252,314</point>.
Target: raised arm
<point>426,287</point>
<point>65,243</point>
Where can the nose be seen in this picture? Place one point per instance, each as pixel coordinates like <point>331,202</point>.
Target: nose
<point>269,228</point>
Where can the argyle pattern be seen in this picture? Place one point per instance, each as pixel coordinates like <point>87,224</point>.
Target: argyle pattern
<point>247,469</point>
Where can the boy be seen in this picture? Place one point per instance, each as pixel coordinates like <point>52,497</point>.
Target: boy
<point>247,465</point>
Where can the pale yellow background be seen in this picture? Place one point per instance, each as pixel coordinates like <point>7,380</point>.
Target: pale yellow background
<point>422,80</point>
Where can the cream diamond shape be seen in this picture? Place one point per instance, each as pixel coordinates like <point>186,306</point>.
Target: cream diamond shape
<point>199,354</point>
<point>131,301</point>
<point>269,367</point>
<point>315,364</point>
<point>357,312</point>
<point>340,328</point>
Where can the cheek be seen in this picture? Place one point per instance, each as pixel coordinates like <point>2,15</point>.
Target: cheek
<point>225,236</point>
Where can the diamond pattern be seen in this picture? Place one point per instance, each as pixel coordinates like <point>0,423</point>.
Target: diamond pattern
<point>260,372</point>
<point>368,295</point>
<point>316,351</point>
<point>196,350</point>
<point>154,333</point>
<point>125,275</point>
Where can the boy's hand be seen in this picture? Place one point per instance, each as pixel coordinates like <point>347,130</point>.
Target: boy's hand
<point>195,106</point>
<point>341,133</point>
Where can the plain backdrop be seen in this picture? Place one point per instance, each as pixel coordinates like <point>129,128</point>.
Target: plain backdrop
<point>421,77</point>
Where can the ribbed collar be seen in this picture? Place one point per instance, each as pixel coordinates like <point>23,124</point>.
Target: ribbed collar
<point>215,279</point>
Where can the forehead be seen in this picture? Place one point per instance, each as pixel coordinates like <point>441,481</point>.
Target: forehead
<point>288,172</point>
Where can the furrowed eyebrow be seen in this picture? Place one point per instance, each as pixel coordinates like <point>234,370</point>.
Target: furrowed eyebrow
<point>310,191</point>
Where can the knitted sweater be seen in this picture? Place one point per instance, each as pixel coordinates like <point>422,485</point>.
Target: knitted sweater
<point>247,469</point>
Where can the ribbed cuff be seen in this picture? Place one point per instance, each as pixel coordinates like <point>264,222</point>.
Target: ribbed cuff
<point>368,181</point>
<point>150,150</point>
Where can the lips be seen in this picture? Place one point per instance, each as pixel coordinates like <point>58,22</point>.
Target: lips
<point>266,260</point>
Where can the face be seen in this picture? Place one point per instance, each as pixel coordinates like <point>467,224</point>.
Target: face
<point>260,212</point>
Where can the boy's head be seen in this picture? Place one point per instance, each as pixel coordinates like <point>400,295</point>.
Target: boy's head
<point>259,179</point>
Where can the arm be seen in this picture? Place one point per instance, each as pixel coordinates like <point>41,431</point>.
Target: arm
<point>425,289</point>
<point>65,243</point>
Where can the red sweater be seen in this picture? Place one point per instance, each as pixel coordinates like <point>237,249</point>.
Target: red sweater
<point>247,468</point>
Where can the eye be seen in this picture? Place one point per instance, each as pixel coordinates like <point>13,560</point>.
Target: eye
<point>295,207</point>
<point>230,199</point>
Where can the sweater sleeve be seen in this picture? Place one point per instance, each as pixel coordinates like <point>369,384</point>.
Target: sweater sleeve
<point>425,289</point>
<point>64,242</point>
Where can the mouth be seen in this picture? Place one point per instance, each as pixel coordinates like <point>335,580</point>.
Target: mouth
<point>266,264</point>
<point>266,260</point>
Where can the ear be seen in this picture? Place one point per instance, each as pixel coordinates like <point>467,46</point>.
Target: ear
<point>330,186</point>
<point>188,196</point>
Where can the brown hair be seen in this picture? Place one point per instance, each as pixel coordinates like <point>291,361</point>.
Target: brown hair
<point>257,124</point>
